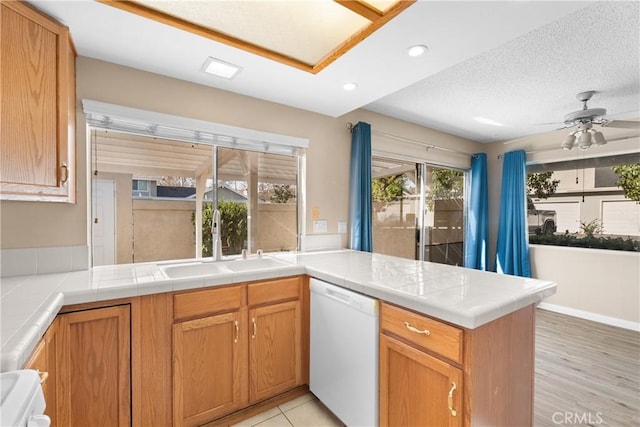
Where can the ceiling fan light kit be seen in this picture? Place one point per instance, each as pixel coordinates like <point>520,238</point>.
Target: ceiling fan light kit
<point>568,142</point>
<point>584,140</point>
<point>585,119</point>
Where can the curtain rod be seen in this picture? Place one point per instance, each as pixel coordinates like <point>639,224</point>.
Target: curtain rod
<point>413,141</point>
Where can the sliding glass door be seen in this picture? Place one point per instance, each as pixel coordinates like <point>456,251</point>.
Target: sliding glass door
<point>396,200</point>
<point>418,211</point>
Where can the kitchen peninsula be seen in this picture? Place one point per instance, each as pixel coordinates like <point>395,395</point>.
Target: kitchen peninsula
<point>482,326</point>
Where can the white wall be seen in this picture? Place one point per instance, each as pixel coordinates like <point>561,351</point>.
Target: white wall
<point>601,284</point>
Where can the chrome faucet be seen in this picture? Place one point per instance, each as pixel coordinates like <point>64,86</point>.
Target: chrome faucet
<point>216,246</point>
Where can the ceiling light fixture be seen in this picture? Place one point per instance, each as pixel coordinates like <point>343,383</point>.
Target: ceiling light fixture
<point>350,86</point>
<point>417,50</point>
<point>220,68</point>
<point>586,137</point>
<point>486,121</point>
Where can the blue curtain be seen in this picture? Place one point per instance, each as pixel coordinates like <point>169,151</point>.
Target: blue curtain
<point>477,230</point>
<point>360,210</point>
<point>512,255</point>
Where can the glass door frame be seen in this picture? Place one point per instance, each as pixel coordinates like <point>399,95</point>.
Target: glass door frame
<point>422,167</point>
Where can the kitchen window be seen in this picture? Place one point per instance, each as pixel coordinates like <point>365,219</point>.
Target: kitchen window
<point>585,202</point>
<point>152,196</point>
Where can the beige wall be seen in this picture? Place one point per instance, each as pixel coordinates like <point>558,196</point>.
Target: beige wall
<point>32,224</point>
<point>597,281</point>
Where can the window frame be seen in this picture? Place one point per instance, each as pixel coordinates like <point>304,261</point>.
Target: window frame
<point>152,124</point>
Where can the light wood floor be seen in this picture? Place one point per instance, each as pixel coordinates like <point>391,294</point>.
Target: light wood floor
<point>587,373</point>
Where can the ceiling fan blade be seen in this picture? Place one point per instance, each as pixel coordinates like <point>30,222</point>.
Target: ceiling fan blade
<point>621,138</point>
<point>623,124</point>
<point>550,123</point>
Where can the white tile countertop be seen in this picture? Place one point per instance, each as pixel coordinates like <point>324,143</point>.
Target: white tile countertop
<point>465,297</point>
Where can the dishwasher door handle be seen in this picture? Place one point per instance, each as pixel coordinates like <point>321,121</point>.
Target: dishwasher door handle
<point>338,296</point>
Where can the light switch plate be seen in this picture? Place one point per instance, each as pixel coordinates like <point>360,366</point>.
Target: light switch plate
<point>342,226</point>
<point>320,226</point>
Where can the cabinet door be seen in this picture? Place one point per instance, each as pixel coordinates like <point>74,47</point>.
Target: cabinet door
<point>93,367</point>
<point>37,107</point>
<point>209,367</point>
<point>43,359</point>
<point>417,389</point>
<point>275,349</point>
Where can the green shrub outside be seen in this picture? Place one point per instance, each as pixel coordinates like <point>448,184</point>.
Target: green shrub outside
<point>612,243</point>
<point>233,216</point>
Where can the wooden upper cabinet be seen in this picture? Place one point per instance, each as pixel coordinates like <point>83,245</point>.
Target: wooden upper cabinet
<point>37,107</point>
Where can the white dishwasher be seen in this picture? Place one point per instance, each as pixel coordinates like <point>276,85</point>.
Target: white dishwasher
<point>344,353</point>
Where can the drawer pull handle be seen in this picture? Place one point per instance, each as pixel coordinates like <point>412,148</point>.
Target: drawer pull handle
<point>450,400</point>
<point>417,331</point>
<point>237,328</point>
<point>43,376</point>
<point>253,335</point>
<point>64,173</point>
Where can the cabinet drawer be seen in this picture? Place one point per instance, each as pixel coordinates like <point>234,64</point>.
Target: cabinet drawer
<point>200,303</point>
<point>274,290</point>
<point>428,333</point>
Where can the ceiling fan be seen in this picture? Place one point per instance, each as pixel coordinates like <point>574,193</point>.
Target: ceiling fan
<point>584,120</point>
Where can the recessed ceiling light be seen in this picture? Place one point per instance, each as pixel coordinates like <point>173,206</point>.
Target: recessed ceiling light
<point>349,86</point>
<point>220,68</point>
<point>486,121</point>
<point>417,50</point>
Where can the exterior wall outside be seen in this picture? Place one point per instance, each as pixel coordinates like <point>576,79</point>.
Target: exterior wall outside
<point>597,281</point>
<point>397,240</point>
<point>277,227</point>
<point>162,230</point>
<point>595,207</point>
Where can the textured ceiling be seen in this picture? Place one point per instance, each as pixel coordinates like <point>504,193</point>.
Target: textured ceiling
<point>533,78</point>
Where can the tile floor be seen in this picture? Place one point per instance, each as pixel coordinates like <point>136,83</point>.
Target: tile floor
<point>304,411</point>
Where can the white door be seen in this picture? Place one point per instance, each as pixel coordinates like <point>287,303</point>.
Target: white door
<point>104,222</point>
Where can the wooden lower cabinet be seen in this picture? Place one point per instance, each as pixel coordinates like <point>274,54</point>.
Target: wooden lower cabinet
<point>417,389</point>
<point>43,360</point>
<point>93,367</point>
<point>275,349</point>
<point>235,346</point>
<point>433,374</point>
<point>209,367</point>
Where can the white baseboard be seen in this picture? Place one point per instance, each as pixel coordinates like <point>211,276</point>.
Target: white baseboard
<point>600,318</point>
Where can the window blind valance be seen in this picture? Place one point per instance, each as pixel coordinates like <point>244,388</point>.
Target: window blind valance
<point>159,125</point>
